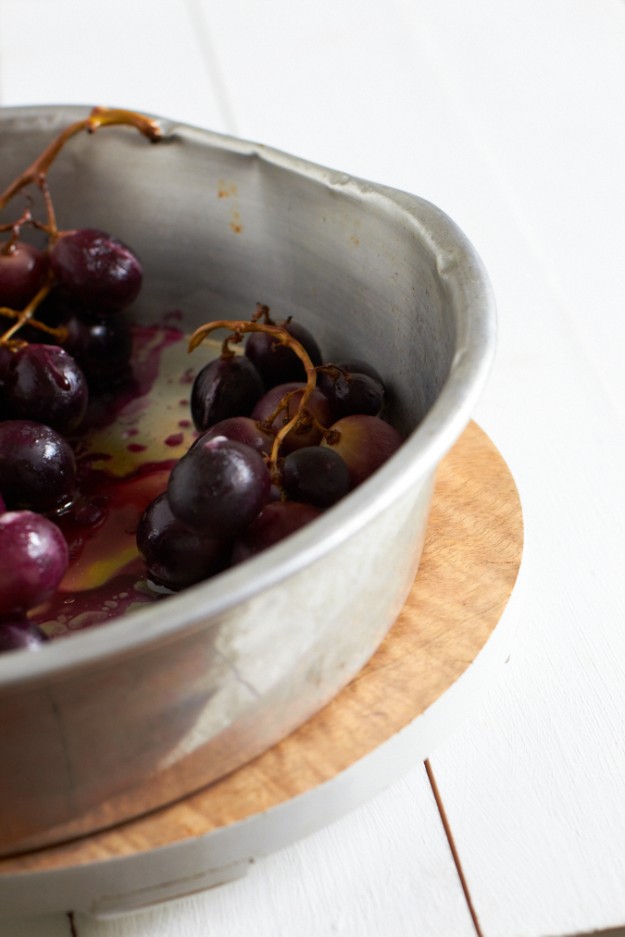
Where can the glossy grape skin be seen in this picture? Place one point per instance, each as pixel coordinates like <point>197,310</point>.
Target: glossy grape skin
<point>364,442</point>
<point>45,384</point>
<point>276,363</point>
<point>298,437</point>
<point>353,392</point>
<point>23,271</point>
<point>316,475</point>
<point>102,346</point>
<point>37,467</point>
<point>276,521</point>
<point>175,556</point>
<point>96,270</point>
<point>33,560</point>
<point>225,387</point>
<point>241,429</point>
<point>18,633</point>
<point>218,487</point>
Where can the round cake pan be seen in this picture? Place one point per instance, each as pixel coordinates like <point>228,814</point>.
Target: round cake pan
<point>112,722</point>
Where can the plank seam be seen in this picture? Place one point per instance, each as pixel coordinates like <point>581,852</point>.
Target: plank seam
<point>452,847</point>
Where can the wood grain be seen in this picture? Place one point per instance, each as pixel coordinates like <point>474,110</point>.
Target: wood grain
<point>470,563</point>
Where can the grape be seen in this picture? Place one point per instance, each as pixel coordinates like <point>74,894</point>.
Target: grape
<point>17,632</point>
<point>364,442</point>
<point>226,387</point>
<point>358,366</point>
<point>37,467</point>
<point>276,363</point>
<point>23,270</point>
<point>6,357</point>
<point>308,434</point>
<point>33,560</point>
<point>241,429</point>
<point>175,556</point>
<point>102,346</point>
<point>353,392</point>
<point>276,521</point>
<point>218,487</point>
<point>44,383</point>
<point>95,270</point>
<point>316,474</point>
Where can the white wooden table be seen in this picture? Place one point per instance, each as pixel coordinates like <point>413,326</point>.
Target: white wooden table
<point>511,117</point>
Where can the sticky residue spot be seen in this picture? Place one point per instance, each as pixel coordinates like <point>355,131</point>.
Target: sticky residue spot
<point>226,190</point>
<point>235,224</point>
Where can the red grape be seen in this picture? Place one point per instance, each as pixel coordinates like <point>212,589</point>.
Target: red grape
<point>33,560</point>
<point>275,522</point>
<point>44,383</point>
<point>241,429</point>
<point>316,475</point>
<point>23,270</point>
<point>364,442</point>
<point>277,363</point>
<point>175,556</point>
<point>308,434</point>
<point>37,466</point>
<point>218,487</point>
<point>225,387</point>
<point>96,270</point>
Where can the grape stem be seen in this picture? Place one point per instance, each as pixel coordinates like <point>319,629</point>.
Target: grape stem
<point>26,316</point>
<point>35,174</point>
<point>238,328</point>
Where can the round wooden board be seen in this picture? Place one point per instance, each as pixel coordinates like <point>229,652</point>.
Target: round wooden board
<point>437,658</point>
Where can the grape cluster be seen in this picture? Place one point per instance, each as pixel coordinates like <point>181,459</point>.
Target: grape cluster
<point>283,437</point>
<point>63,295</point>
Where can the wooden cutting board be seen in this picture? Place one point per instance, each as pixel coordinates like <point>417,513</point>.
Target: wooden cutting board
<point>470,563</point>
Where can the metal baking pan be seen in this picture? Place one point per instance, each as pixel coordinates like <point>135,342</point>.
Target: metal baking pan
<point>119,720</point>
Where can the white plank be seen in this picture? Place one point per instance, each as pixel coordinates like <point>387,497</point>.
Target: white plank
<point>384,869</point>
<point>547,747</point>
<point>139,54</point>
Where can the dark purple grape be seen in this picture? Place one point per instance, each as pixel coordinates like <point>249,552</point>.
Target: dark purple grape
<point>218,487</point>
<point>6,355</point>
<point>358,366</point>
<point>175,556</point>
<point>23,270</point>
<point>17,633</point>
<point>364,442</point>
<point>102,346</point>
<point>33,560</point>
<point>95,270</point>
<point>309,433</point>
<point>241,429</point>
<point>317,475</point>
<point>353,392</point>
<point>225,387</point>
<point>276,363</point>
<point>45,384</point>
<point>275,522</point>
<point>37,467</point>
